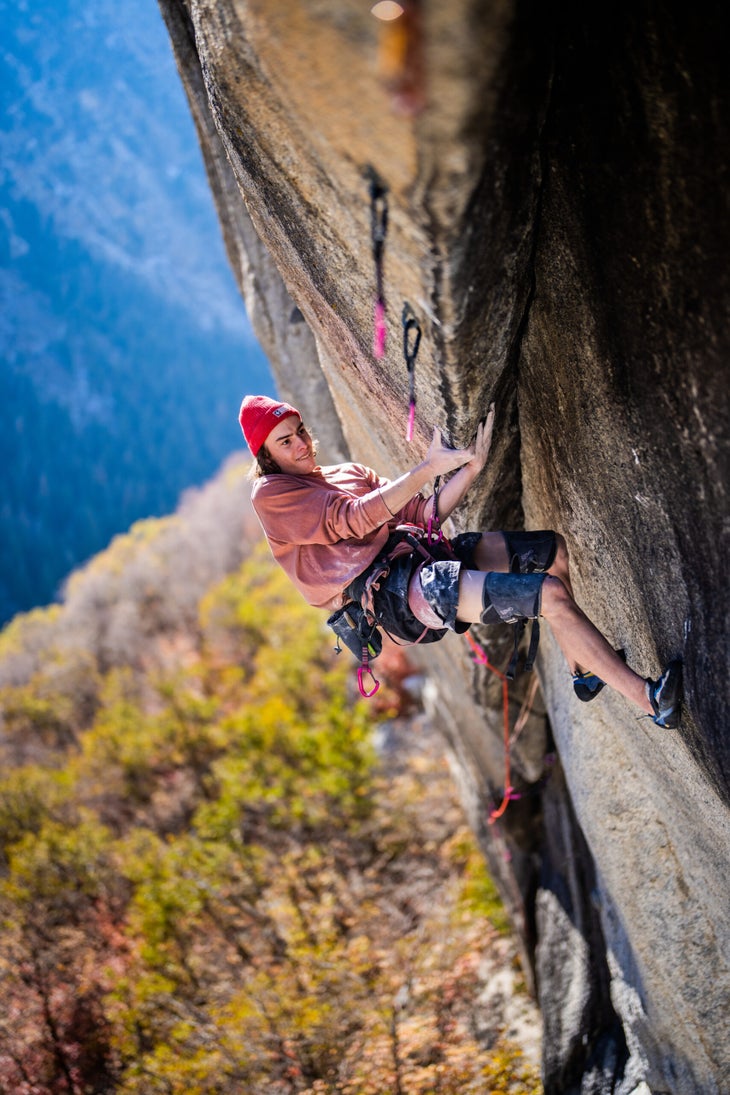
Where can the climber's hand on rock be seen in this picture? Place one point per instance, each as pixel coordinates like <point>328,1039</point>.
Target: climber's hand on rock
<point>482,441</point>
<point>441,459</point>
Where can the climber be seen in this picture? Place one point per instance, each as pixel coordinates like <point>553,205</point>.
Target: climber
<point>330,527</point>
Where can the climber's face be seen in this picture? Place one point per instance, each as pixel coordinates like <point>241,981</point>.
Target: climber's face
<point>290,445</point>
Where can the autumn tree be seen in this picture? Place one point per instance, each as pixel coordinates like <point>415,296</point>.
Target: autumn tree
<point>210,882</point>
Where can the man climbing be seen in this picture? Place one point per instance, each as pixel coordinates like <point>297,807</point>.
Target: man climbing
<point>335,531</point>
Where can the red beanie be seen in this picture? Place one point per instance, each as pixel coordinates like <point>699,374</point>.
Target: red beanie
<point>259,415</point>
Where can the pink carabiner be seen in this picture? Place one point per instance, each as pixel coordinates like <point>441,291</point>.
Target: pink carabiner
<point>430,538</point>
<point>360,674</point>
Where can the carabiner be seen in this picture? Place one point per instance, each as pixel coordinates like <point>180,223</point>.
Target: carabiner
<point>360,674</point>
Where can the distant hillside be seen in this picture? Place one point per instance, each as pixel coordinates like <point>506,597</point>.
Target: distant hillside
<point>124,343</point>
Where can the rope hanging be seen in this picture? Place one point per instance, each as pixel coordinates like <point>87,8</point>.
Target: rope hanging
<point>378,232</point>
<point>510,795</point>
<point>411,342</point>
<point>434,535</point>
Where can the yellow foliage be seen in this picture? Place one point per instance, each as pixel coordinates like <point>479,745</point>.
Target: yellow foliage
<point>219,863</point>
<point>26,630</point>
<point>28,796</point>
<point>479,895</point>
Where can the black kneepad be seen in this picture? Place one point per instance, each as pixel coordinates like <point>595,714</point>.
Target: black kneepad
<point>511,597</point>
<point>531,552</point>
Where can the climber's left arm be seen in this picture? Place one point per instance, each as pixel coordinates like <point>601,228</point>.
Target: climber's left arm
<point>457,486</point>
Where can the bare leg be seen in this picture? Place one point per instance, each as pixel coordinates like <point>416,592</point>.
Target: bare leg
<point>561,564</point>
<point>583,644</point>
<point>580,640</point>
<point>490,554</point>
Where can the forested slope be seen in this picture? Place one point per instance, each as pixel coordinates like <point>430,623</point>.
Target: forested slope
<point>210,879</point>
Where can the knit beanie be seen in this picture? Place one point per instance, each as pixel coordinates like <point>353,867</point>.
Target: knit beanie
<point>259,415</point>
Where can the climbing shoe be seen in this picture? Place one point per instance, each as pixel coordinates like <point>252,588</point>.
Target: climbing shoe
<point>665,696</point>
<point>587,685</point>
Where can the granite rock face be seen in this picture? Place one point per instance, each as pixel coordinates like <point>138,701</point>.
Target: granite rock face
<point>558,222</point>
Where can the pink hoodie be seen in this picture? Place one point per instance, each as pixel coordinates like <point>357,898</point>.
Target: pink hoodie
<point>325,528</point>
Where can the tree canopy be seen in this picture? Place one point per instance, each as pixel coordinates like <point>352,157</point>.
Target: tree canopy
<point>212,883</point>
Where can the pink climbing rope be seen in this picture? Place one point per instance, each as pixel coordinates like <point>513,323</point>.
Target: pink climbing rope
<point>509,795</point>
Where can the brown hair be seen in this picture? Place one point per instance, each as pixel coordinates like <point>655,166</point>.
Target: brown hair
<point>263,464</point>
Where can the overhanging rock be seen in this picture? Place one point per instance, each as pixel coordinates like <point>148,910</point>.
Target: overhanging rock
<point>559,223</point>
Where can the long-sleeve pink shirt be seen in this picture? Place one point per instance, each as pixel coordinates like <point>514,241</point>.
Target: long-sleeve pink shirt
<point>326,527</point>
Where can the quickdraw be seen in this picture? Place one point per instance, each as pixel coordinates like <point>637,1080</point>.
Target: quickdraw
<point>365,670</point>
<point>378,232</point>
<point>434,521</point>
<point>411,342</point>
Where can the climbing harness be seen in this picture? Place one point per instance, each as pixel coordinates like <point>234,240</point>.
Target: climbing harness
<point>378,232</point>
<point>411,342</point>
<point>519,627</point>
<point>357,625</point>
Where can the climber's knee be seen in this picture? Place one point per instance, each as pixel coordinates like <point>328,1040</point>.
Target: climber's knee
<point>489,552</point>
<point>555,597</point>
<point>561,561</point>
<point>511,597</point>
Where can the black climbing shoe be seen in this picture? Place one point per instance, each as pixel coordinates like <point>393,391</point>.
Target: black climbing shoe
<point>587,685</point>
<point>665,696</point>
